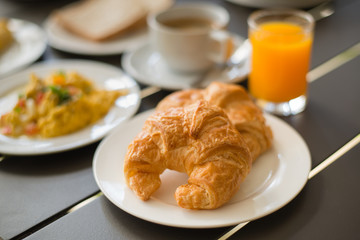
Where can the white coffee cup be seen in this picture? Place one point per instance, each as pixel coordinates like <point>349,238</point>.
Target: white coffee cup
<point>191,37</point>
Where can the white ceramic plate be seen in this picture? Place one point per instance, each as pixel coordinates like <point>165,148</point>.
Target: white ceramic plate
<point>103,75</point>
<point>275,179</point>
<point>29,45</point>
<point>63,40</point>
<point>148,67</point>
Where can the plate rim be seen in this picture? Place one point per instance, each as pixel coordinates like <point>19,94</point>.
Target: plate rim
<point>306,170</point>
<point>47,66</point>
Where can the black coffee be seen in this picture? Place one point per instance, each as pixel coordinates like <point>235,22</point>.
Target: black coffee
<point>189,24</point>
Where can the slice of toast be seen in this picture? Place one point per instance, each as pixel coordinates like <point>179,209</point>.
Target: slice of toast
<point>100,20</point>
<point>154,6</point>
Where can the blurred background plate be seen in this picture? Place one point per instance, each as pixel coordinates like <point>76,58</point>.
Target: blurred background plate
<point>61,39</point>
<point>29,45</point>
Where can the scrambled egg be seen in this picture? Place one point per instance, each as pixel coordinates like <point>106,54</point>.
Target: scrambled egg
<point>60,104</point>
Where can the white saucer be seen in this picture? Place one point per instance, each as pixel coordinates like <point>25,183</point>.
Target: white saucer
<point>148,67</point>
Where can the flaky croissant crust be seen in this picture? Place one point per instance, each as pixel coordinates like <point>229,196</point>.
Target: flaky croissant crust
<point>237,104</point>
<point>197,139</point>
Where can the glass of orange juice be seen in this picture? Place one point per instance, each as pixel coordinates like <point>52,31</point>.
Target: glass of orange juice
<point>281,42</point>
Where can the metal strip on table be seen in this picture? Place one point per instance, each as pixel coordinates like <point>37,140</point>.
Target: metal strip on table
<point>334,63</point>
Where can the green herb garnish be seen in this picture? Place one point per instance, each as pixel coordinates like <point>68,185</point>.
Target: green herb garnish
<point>62,93</point>
<point>17,109</point>
<point>61,73</point>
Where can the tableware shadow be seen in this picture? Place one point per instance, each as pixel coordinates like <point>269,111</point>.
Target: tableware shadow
<point>129,225</point>
<point>50,164</point>
<point>306,204</point>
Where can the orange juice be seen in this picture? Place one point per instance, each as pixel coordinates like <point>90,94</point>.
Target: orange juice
<point>280,61</point>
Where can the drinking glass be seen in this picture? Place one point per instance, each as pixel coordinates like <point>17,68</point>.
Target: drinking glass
<point>281,42</point>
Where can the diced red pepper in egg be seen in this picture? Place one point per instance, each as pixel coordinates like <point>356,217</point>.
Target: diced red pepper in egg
<point>39,97</point>
<point>7,130</point>
<point>31,129</point>
<point>21,103</point>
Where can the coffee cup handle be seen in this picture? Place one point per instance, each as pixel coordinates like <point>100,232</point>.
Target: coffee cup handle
<point>221,46</point>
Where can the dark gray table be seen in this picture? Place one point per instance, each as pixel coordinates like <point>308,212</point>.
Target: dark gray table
<point>36,193</point>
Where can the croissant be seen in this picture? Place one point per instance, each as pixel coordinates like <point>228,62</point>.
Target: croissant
<point>237,104</point>
<point>197,139</point>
